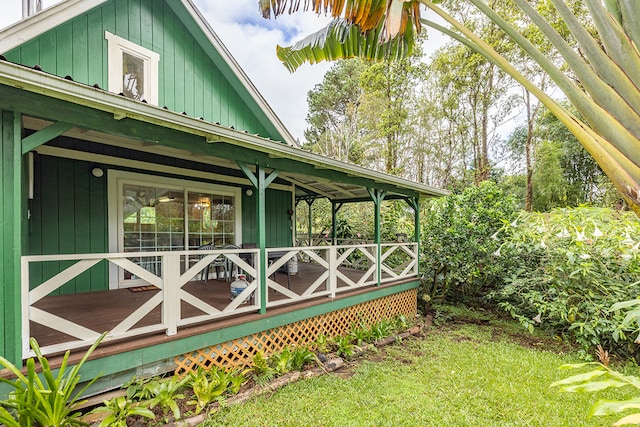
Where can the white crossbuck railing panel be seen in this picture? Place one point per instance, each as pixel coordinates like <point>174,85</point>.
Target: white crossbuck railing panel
<point>282,260</point>
<point>329,270</point>
<point>362,264</point>
<point>398,261</point>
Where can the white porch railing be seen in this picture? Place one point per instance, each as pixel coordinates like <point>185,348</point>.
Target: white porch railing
<point>336,269</point>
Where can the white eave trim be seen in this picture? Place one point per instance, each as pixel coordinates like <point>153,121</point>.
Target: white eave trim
<point>43,21</point>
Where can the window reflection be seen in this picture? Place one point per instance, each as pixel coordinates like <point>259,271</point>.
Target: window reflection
<point>132,76</point>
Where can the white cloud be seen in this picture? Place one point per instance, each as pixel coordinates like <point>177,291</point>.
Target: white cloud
<point>252,41</point>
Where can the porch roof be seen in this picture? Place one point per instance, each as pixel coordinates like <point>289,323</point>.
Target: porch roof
<point>112,118</point>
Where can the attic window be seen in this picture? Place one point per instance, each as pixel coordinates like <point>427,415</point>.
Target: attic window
<point>133,70</point>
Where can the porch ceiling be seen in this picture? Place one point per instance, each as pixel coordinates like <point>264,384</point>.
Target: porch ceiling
<point>99,116</point>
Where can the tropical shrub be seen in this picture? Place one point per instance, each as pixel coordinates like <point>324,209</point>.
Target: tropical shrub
<point>572,264</point>
<point>344,346</point>
<point>301,357</point>
<point>165,394</point>
<point>261,369</point>
<point>48,399</point>
<point>459,241</point>
<point>118,409</point>
<point>208,386</point>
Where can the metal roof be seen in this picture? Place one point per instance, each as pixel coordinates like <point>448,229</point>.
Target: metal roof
<point>312,174</point>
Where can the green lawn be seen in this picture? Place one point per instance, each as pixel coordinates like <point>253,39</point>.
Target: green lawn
<point>459,374</point>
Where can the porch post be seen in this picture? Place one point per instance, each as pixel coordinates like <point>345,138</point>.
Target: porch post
<point>310,216</point>
<point>260,181</point>
<point>378,197</point>
<point>335,207</point>
<point>261,223</point>
<point>414,203</point>
<point>12,235</point>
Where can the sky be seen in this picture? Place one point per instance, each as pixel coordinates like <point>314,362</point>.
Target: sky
<point>252,41</point>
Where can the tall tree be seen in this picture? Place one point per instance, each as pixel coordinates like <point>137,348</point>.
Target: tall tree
<point>388,99</point>
<point>333,114</point>
<point>606,92</point>
<point>473,94</point>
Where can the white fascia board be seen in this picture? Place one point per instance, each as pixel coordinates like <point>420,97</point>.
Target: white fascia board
<point>41,22</point>
<point>58,88</point>
<point>238,71</point>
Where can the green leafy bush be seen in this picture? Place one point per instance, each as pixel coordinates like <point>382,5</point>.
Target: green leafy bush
<point>301,357</point>
<point>208,386</point>
<point>118,409</point>
<point>572,264</point>
<point>165,393</point>
<point>48,399</point>
<point>459,243</point>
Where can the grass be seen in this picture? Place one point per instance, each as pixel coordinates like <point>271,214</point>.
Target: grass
<point>481,372</point>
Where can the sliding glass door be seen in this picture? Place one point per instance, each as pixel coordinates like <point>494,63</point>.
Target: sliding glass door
<point>161,214</point>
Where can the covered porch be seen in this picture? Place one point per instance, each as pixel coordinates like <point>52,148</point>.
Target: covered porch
<point>72,248</point>
<point>165,304</point>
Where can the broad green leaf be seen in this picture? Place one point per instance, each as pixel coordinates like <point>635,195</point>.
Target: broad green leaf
<point>587,376</point>
<point>590,386</point>
<point>340,39</point>
<point>625,304</point>
<point>577,365</point>
<point>608,407</point>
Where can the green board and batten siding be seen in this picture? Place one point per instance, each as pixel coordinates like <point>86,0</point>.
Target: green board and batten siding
<point>279,223</point>
<point>192,80</point>
<point>69,215</point>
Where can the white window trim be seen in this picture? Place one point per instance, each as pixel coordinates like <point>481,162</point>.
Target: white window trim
<point>116,47</point>
<point>115,181</point>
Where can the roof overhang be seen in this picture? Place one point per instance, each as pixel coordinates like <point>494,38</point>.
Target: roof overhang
<point>41,95</point>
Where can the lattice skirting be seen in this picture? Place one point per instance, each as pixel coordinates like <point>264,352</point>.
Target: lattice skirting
<point>240,352</point>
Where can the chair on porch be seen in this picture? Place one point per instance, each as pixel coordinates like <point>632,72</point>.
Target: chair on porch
<point>283,269</point>
<point>220,261</point>
<point>231,267</point>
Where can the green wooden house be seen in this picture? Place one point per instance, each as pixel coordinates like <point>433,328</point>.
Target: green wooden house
<point>142,174</point>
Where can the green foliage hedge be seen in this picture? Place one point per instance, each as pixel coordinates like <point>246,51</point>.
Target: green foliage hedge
<point>459,241</point>
<point>572,266</point>
<point>560,271</point>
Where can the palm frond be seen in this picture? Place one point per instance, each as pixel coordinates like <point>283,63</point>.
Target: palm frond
<point>340,39</point>
<point>367,15</point>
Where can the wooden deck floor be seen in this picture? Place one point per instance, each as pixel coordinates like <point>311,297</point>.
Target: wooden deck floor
<point>103,310</point>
